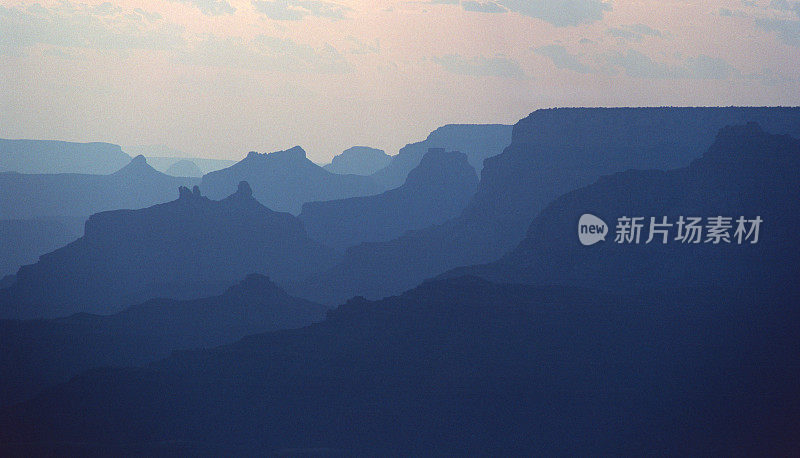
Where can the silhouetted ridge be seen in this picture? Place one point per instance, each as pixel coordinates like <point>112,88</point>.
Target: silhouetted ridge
<point>190,247</point>
<point>459,367</point>
<point>552,152</point>
<point>295,153</point>
<point>745,172</point>
<point>136,185</point>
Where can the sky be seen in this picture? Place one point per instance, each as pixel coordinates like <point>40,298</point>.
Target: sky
<point>219,78</point>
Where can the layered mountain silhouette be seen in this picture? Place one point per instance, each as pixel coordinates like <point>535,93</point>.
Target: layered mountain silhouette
<point>672,349</point>
<point>477,141</point>
<point>23,241</point>
<point>136,185</point>
<point>436,190</point>
<point>457,367</point>
<point>162,157</point>
<point>42,353</point>
<point>47,156</point>
<point>184,168</point>
<point>188,248</point>
<point>359,160</point>
<point>552,152</point>
<point>746,172</point>
<point>285,180</point>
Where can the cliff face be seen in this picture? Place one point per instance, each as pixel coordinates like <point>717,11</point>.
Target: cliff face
<point>746,172</point>
<point>191,247</point>
<point>437,190</point>
<point>556,151</point>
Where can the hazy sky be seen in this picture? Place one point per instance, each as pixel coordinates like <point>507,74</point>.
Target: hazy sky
<point>217,78</point>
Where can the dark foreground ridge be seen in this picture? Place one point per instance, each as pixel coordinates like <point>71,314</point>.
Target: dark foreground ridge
<point>37,354</point>
<point>459,366</point>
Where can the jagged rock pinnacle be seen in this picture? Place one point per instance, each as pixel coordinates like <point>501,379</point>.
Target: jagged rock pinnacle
<point>244,189</point>
<point>184,193</point>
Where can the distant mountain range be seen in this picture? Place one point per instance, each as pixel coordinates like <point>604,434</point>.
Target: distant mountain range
<point>477,141</point>
<point>135,185</point>
<point>552,152</point>
<point>438,189</point>
<point>162,164</point>
<point>46,156</point>
<point>41,353</point>
<point>162,157</point>
<point>188,248</point>
<point>358,160</point>
<point>184,168</point>
<point>95,158</point>
<point>285,180</point>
